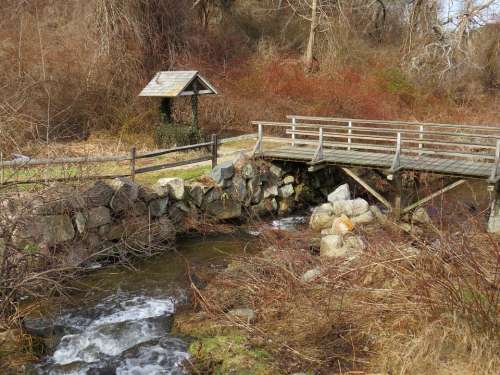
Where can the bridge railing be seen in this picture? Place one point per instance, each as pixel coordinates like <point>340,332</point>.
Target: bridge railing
<point>443,141</point>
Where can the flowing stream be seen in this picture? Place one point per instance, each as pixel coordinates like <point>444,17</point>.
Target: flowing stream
<point>121,322</point>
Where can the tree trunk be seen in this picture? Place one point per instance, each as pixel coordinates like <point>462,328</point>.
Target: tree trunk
<point>309,57</point>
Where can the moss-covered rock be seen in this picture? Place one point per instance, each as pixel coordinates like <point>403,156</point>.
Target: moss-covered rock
<point>219,348</point>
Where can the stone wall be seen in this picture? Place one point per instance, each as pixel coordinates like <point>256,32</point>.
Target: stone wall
<point>122,215</point>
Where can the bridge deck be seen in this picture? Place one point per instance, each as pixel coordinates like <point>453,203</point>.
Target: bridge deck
<point>459,168</point>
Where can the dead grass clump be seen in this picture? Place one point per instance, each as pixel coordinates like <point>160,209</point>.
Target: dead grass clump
<point>408,307</point>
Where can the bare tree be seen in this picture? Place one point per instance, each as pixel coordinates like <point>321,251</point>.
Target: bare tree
<point>309,56</point>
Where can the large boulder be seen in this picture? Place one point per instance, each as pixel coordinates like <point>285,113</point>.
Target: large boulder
<point>125,194</point>
<point>173,187</point>
<point>196,192</point>
<point>43,230</point>
<point>354,207</point>
<point>158,207</point>
<point>322,217</point>
<point>224,209</point>
<point>93,218</point>
<point>342,193</point>
<point>99,194</point>
<point>222,172</point>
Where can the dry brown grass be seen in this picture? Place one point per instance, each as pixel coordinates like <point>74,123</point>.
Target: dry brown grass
<point>406,306</point>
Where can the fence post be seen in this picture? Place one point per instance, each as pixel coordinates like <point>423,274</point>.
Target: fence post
<point>294,121</point>
<point>421,137</point>
<point>133,154</point>
<point>349,140</point>
<point>215,147</point>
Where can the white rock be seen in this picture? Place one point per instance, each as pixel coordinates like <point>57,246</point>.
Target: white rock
<point>286,191</point>
<point>342,193</point>
<point>271,191</point>
<point>342,225</point>
<point>365,218</point>
<point>288,180</point>
<point>311,275</point>
<point>354,207</point>
<point>321,218</point>
<point>332,246</point>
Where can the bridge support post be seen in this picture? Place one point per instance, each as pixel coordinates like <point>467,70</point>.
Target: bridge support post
<point>397,183</point>
<point>494,219</point>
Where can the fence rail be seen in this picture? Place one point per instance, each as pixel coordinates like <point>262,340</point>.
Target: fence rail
<point>212,147</point>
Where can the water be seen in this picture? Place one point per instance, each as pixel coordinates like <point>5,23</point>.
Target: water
<point>122,323</point>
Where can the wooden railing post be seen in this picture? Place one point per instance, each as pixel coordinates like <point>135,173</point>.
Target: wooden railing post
<point>494,171</point>
<point>319,151</point>
<point>421,137</point>
<point>215,148</point>
<point>349,140</point>
<point>396,162</point>
<point>293,131</point>
<point>133,154</point>
<point>260,136</point>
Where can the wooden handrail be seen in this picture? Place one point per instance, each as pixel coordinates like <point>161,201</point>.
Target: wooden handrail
<point>382,138</point>
<point>385,148</point>
<point>388,122</point>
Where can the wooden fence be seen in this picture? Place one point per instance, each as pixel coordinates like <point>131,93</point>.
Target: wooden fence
<point>211,147</point>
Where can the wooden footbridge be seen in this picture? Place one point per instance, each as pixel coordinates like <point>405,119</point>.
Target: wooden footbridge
<point>460,151</point>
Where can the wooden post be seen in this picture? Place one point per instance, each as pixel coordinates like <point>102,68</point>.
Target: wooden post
<point>133,153</point>
<point>166,111</point>
<point>421,137</point>
<point>215,147</point>
<point>293,131</point>
<point>349,140</point>
<point>397,183</point>
<point>494,219</point>
<point>260,137</point>
<point>494,170</point>
<point>194,105</point>
<point>396,162</point>
<point>319,151</point>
